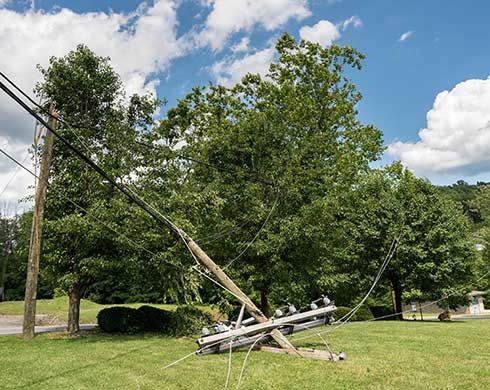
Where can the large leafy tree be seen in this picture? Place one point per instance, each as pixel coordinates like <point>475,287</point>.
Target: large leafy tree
<point>289,141</point>
<point>435,256</point>
<point>98,118</point>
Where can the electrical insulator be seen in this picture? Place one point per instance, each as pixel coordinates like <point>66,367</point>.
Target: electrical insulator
<point>292,309</point>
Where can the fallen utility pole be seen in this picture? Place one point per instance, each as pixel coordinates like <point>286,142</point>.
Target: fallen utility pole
<point>28,325</point>
<point>253,310</point>
<point>227,335</point>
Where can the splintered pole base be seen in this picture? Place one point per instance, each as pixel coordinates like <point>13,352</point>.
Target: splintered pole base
<point>305,353</point>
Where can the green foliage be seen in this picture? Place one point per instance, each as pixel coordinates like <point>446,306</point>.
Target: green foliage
<point>120,319</point>
<point>382,311</point>
<point>362,314</point>
<point>292,140</point>
<point>15,234</point>
<point>189,320</point>
<point>435,254</point>
<point>184,321</point>
<point>59,292</point>
<point>81,253</point>
<point>466,194</point>
<point>156,320</point>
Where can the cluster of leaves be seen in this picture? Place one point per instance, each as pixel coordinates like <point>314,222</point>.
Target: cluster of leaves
<point>15,233</point>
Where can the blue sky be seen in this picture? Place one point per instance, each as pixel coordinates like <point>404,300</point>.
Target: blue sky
<point>179,44</point>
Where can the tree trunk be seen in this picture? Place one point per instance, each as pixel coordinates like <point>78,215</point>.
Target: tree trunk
<point>397,293</point>
<point>264,302</point>
<point>74,297</point>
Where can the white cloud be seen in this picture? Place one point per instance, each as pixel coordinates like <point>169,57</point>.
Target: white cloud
<point>405,36</point>
<point>324,33</point>
<point>457,137</point>
<point>354,21</point>
<point>230,71</point>
<point>14,181</point>
<point>228,17</point>
<point>140,44</point>
<point>241,46</point>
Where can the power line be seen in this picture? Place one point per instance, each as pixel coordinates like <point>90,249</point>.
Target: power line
<point>13,175</point>
<point>223,233</point>
<point>132,242</point>
<point>255,237</point>
<point>135,244</point>
<point>152,211</point>
<point>131,196</point>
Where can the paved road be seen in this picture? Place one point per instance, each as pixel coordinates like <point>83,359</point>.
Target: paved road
<point>6,330</point>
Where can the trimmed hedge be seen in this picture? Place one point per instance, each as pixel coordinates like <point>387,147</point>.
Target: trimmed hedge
<point>120,320</point>
<point>384,311</point>
<point>185,320</point>
<point>363,314</point>
<point>155,319</point>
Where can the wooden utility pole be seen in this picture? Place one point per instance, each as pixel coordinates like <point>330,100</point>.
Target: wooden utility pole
<point>254,311</point>
<point>36,233</point>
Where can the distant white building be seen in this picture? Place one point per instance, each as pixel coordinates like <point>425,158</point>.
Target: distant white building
<point>477,305</point>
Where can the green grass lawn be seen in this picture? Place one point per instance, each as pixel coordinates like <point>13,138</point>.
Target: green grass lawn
<point>380,355</point>
<point>58,307</point>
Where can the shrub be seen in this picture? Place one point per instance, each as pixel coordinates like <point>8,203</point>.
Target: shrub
<point>363,314</point>
<point>120,320</point>
<point>189,320</point>
<point>155,320</point>
<point>185,321</point>
<point>382,311</point>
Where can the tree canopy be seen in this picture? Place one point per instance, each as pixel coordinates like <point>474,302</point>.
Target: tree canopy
<point>271,176</point>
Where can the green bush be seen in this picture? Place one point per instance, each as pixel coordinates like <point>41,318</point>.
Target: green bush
<point>363,314</point>
<point>155,320</point>
<point>189,320</point>
<point>382,311</point>
<point>120,320</point>
<point>185,321</point>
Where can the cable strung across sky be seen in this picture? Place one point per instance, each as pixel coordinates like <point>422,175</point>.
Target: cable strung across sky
<point>131,196</point>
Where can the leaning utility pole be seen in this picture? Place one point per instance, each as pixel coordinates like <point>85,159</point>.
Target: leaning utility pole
<point>36,233</point>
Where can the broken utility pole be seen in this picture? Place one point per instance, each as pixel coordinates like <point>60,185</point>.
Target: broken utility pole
<point>36,233</point>
<point>230,285</point>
